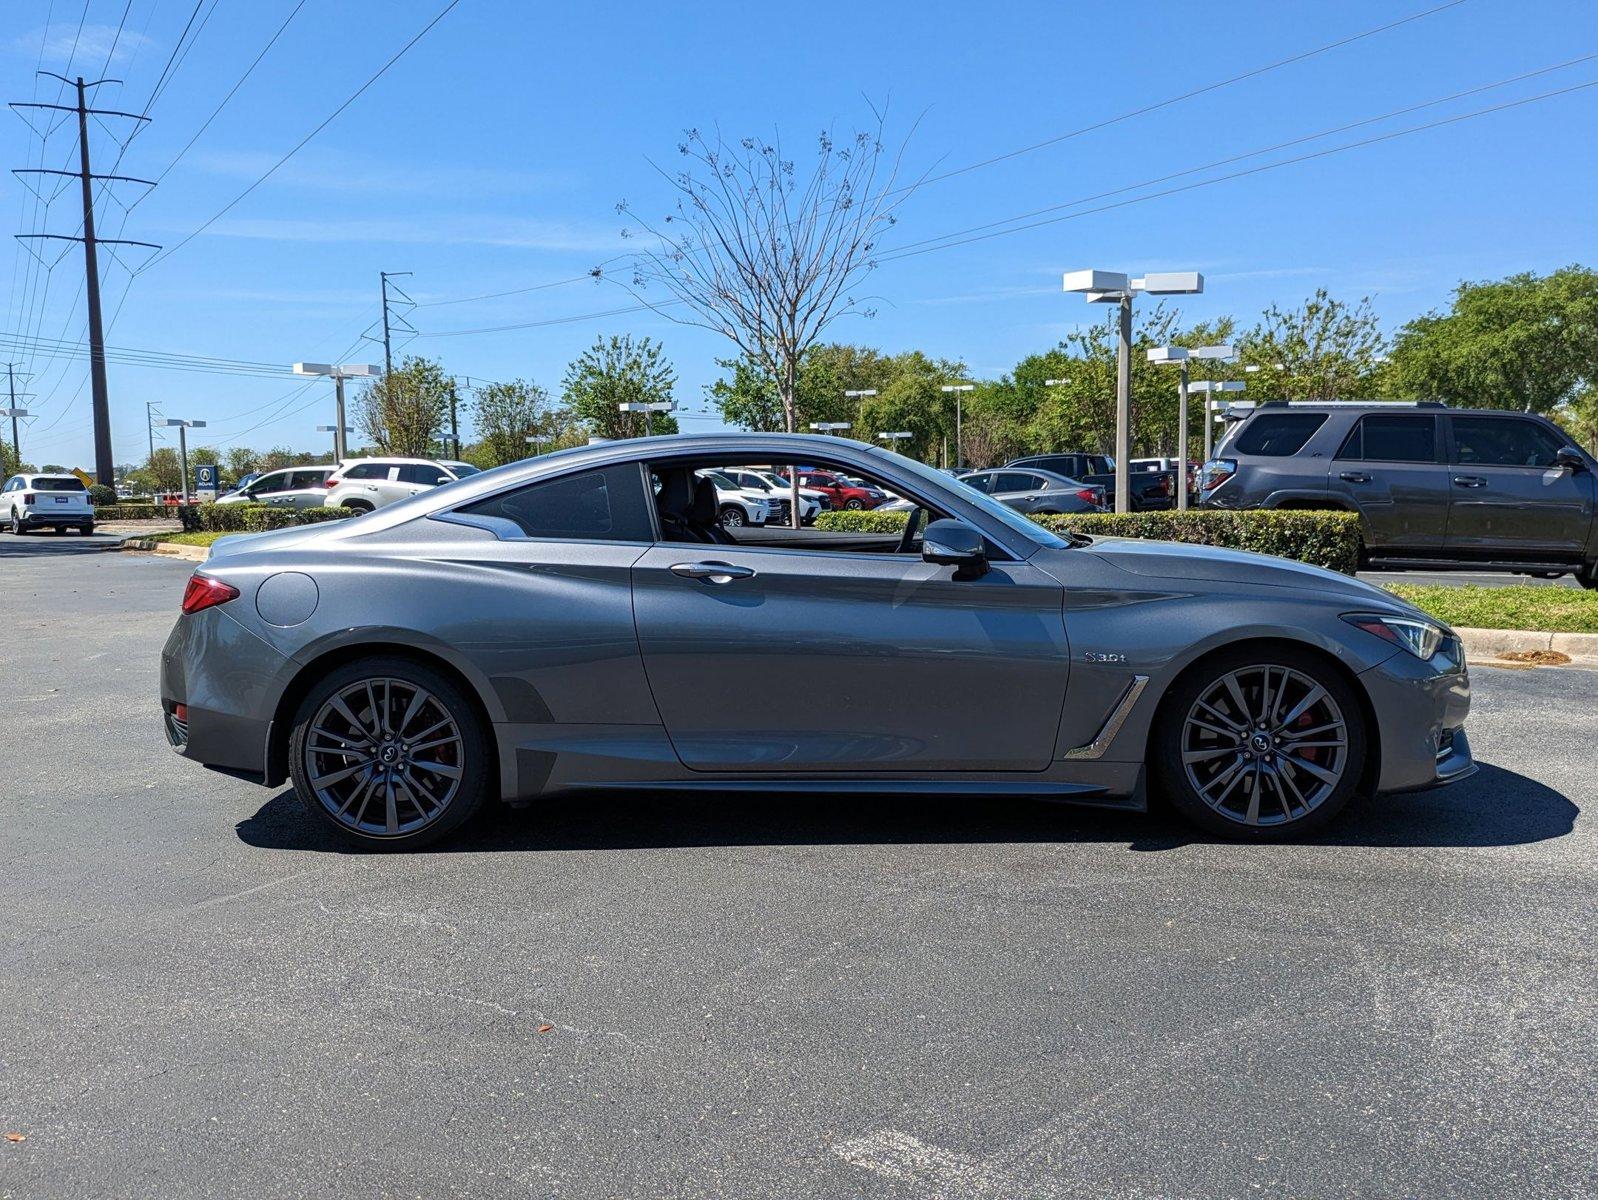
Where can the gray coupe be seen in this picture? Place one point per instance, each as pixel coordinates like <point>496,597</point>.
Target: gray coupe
<point>580,623</point>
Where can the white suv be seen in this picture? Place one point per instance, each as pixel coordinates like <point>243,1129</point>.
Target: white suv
<point>46,502</point>
<point>739,506</point>
<point>779,492</point>
<point>362,484</point>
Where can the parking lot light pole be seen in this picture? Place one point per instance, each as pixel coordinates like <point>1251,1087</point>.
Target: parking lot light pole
<point>338,374</point>
<point>183,428</point>
<point>860,394</point>
<point>649,410</point>
<point>959,390</point>
<point>1113,287</point>
<point>893,439</point>
<point>14,413</point>
<point>1182,355</point>
<point>833,427</point>
<point>1210,387</point>
<point>335,430</point>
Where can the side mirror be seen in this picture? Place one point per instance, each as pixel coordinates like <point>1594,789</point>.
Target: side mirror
<point>1570,458</point>
<point>955,544</point>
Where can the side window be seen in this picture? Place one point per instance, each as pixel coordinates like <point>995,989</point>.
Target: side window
<point>1014,481</point>
<point>1504,442</point>
<point>605,505</point>
<point>277,481</point>
<point>982,482</point>
<point>1392,437</point>
<point>1278,434</point>
<point>422,473</point>
<point>367,471</point>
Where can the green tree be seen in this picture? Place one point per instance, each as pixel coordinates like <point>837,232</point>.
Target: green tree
<point>403,411</point>
<point>1326,349</point>
<point>241,460</point>
<point>1528,342</point>
<point>55,468</point>
<point>163,471</point>
<point>9,463</point>
<point>204,456</point>
<point>615,371</point>
<point>505,415</point>
<point>1579,417</point>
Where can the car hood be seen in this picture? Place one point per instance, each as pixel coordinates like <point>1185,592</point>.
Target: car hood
<point>1178,561</point>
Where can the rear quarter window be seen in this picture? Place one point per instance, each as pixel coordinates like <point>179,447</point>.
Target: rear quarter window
<point>1277,435</point>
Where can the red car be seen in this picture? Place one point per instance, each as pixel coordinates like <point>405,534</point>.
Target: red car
<point>842,493</point>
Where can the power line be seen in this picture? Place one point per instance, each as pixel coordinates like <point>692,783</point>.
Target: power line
<point>301,144</point>
<point>1254,73</point>
<point>594,316</point>
<point>1221,162</point>
<point>945,244</point>
<point>592,273</point>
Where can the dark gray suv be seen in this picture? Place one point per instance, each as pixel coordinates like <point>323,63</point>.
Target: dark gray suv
<point>1434,486</point>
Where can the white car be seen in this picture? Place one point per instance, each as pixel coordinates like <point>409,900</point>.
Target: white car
<point>779,491</point>
<point>46,502</point>
<point>362,484</point>
<point>289,487</point>
<point>739,506</point>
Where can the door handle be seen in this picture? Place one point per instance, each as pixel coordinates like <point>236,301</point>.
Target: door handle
<point>715,572</point>
<point>1354,477</point>
<point>1469,481</point>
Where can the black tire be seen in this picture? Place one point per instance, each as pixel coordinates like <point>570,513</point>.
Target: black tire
<point>1588,576</point>
<point>358,506</point>
<point>731,515</point>
<point>86,530</point>
<point>476,761</point>
<point>855,504</point>
<point>17,528</point>
<point>1171,775</point>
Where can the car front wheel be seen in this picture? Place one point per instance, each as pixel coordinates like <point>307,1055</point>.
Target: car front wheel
<point>1260,745</point>
<point>854,504</point>
<point>389,753</point>
<point>358,506</point>
<point>731,515</point>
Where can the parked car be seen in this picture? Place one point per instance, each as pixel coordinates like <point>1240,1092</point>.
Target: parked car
<point>1434,487</point>
<point>779,492</point>
<point>737,505</point>
<point>1171,467</point>
<point>364,484</point>
<point>840,493</point>
<point>53,502</point>
<point>1150,491</point>
<point>1037,492</point>
<point>290,487</point>
<point>569,629</point>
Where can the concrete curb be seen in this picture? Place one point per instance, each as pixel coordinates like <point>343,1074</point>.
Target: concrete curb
<point>170,549</point>
<point>1485,645</point>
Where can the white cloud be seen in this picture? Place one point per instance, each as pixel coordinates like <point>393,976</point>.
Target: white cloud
<point>93,45</point>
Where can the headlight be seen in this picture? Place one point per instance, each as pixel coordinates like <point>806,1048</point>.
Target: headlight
<point>1420,638</point>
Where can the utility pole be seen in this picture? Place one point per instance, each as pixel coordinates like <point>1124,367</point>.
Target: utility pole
<point>14,412</point>
<point>104,463</point>
<point>454,426</point>
<point>388,317</point>
<point>149,425</point>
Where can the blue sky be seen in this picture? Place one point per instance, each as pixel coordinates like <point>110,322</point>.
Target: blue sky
<point>492,156</point>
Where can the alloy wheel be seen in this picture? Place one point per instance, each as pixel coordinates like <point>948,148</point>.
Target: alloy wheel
<point>732,516</point>
<point>1264,745</point>
<point>384,757</point>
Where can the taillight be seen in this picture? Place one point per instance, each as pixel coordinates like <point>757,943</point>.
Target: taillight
<point>1216,472</point>
<point>1087,494</point>
<point>29,498</point>
<point>203,592</point>
<point>332,481</point>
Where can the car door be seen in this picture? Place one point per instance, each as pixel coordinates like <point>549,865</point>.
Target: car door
<point>1021,490</point>
<point>274,488</point>
<point>1509,497</point>
<point>885,662</point>
<point>411,479</point>
<point>1390,470</point>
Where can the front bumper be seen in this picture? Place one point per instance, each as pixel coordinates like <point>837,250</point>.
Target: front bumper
<point>1420,717</point>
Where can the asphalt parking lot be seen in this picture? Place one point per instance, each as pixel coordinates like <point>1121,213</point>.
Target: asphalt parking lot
<point>651,996</point>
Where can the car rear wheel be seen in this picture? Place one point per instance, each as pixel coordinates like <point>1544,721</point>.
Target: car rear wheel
<point>1260,745</point>
<point>85,530</point>
<point>389,753</point>
<point>1588,576</point>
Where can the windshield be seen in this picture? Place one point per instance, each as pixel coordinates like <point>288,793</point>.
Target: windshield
<point>462,470</point>
<point>65,483</point>
<point>999,512</point>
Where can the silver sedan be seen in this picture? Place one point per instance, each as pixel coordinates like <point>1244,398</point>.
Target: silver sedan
<point>581,623</point>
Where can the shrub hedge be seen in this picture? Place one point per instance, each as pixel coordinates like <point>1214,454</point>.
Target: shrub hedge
<point>100,493</point>
<point>251,518</point>
<point>1323,539</point>
<point>128,512</point>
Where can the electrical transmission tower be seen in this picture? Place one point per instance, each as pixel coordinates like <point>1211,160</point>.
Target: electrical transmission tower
<point>104,462</point>
<point>392,320</point>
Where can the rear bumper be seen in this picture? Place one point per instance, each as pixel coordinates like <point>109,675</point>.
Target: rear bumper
<point>228,681</point>
<point>43,518</point>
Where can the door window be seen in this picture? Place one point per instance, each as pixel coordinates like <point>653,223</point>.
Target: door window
<point>1014,481</point>
<point>1504,442</point>
<point>1392,437</point>
<point>266,485</point>
<point>424,474</point>
<point>367,471</point>
<point>1278,435</point>
<point>603,505</point>
<point>982,482</point>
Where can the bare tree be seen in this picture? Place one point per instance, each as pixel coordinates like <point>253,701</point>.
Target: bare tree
<point>764,255</point>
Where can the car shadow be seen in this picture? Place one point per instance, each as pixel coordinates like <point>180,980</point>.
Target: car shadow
<point>1495,807</point>
<point>31,545</point>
